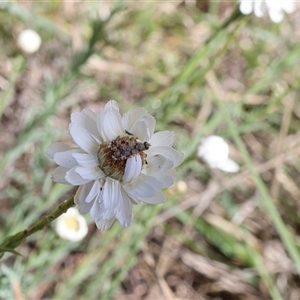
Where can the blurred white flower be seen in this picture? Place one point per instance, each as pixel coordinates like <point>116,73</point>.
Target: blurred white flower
<point>29,41</point>
<point>215,152</point>
<point>71,225</point>
<point>275,8</point>
<point>104,11</point>
<point>119,161</point>
<point>182,186</point>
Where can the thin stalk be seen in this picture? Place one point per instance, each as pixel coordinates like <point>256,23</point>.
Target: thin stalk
<point>15,240</point>
<point>259,264</point>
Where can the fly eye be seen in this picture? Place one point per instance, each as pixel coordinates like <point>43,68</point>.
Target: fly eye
<point>146,145</point>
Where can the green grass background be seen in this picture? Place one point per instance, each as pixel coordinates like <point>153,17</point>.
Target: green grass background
<point>199,73</point>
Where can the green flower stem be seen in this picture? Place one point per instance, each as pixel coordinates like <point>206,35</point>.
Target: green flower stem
<point>15,240</point>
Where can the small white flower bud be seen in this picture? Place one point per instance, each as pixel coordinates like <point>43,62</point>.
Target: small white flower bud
<point>29,41</point>
<point>71,225</point>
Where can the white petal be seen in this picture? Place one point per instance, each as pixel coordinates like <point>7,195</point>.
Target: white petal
<point>96,211</point>
<point>171,154</point>
<point>149,122</point>
<point>141,130</point>
<point>104,224</point>
<point>133,168</point>
<point>94,191</point>
<point>86,119</point>
<point>93,173</point>
<point>130,118</point>
<point>229,166</point>
<point>86,160</point>
<point>74,178</point>
<point>156,199</point>
<point>156,164</point>
<point>144,186</point>
<point>166,179</point>
<point>139,123</point>
<point>110,123</point>
<point>246,7</point>
<point>57,147</point>
<point>124,214</point>
<point>162,138</point>
<point>83,117</point>
<point>288,6</point>
<point>213,150</point>
<point>65,159</point>
<point>275,4</point>
<point>260,8</point>
<point>72,211</point>
<point>111,197</point>
<point>83,139</point>
<point>59,175</point>
<point>112,104</point>
<point>81,197</point>
<point>276,15</point>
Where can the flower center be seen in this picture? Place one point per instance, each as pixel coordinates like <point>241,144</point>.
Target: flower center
<point>112,156</point>
<point>72,223</point>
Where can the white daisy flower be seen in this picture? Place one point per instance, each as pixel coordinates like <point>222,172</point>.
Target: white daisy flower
<point>71,225</point>
<point>119,161</point>
<point>275,8</point>
<point>215,152</point>
<point>29,41</point>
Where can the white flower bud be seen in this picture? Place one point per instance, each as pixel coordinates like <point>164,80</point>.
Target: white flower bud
<point>71,225</point>
<point>215,152</point>
<point>29,41</point>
